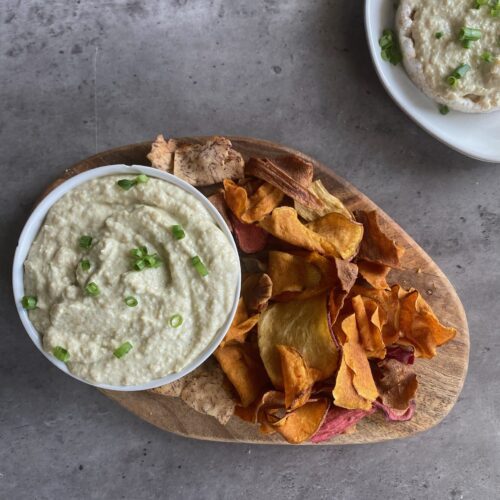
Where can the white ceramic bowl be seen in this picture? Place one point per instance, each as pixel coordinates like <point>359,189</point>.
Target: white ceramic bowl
<point>30,232</point>
<point>473,134</point>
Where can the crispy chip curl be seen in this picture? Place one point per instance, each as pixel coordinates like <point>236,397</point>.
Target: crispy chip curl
<point>369,320</point>
<point>330,204</point>
<point>297,378</point>
<point>374,274</point>
<point>241,326</point>
<point>355,387</point>
<point>256,290</point>
<point>376,245</point>
<point>243,367</point>
<point>332,235</point>
<point>397,384</point>
<point>255,207</point>
<point>302,325</point>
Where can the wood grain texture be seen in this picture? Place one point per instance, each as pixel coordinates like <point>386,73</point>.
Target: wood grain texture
<point>441,379</point>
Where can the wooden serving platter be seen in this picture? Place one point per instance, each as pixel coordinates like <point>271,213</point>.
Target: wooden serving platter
<point>441,379</point>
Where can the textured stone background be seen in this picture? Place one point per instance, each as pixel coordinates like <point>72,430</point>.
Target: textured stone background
<point>79,76</point>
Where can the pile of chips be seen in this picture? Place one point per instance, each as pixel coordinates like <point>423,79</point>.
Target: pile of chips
<point>320,339</point>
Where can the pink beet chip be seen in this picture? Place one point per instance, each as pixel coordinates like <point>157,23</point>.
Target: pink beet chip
<point>396,415</point>
<point>250,237</point>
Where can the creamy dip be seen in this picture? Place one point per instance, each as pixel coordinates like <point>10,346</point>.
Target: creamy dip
<point>432,51</point>
<point>91,328</point>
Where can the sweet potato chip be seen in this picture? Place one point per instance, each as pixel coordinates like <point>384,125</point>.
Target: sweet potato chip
<point>243,367</point>
<point>256,291</point>
<point>302,325</point>
<point>376,245</point>
<point>369,323</point>
<point>241,326</point>
<point>161,155</point>
<point>374,274</point>
<point>269,171</point>
<point>269,400</point>
<point>255,207</point>
<point>332,235</point>
<point>249,237</point>
<point>302,423</point>
<point>297,378</point>
<point>355,387</point>
<point>397,384</point>
<point>330,204</point>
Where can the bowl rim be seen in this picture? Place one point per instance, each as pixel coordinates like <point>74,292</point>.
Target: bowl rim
<point>36,220</point>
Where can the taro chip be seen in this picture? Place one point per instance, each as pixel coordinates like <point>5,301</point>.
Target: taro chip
<point>330,204</point>
<point>302,325</point>
<point>256,291</point>
<point>369,319</point>
<point>374,274</point>
<point>255,207</point>
<point>297,378</point>
<point>244,369</point>
<point>332,235</point>
<point>397,384</point>
<point>376,245</point>
<point>302,423</point>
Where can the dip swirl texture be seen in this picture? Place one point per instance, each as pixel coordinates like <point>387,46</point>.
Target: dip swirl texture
<point>90,328</point>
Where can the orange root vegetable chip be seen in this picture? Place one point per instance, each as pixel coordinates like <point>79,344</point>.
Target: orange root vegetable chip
<point>302,325</point>
<point>268,400</point>
<point>297,168</point>
<point>355,387</point>
<point>374,274</point>
<point>311,273</point>
<point>161,155</point>
<point>369,323</point>
<point>244,369</point>
<point>255,207</point>
<point>241,325</point>
<point>397,384</point>
<point>330,204</point>
<point>297,378</point>
<point>302,423</point>
<point>333,235</point>
<point>376,245</point>
<point>269,171</point>
<point>256,291</point>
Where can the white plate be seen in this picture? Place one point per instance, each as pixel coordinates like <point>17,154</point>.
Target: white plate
<point>474,135</point>
<point>33,226</point>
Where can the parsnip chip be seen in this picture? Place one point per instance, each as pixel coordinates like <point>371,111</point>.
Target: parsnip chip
<point>332,235</point>
<point>397,384</point>
<point>297,378</point>
<point>355,387</point>
<point>243,367</point>
<point>302,423</point>
<point>161,155</point>
<point>376,245</point>
<point>302,325</point>
<point>330,204</point>
<point>369,322</point>
<point>374,274</point>
<point>256,291</point>
<point>251,208</point>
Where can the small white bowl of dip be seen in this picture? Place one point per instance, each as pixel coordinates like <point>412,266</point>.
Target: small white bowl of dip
<point>37,220</point>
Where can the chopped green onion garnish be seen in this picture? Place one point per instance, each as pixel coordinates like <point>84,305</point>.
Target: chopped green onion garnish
<point>199,266</point>
<point>472,34</point>
<point>487,56</point>
<point>452,81</point>
<point>85,264</point>
<point>480,3</point>
<point>443,109</point>
<point>85,241</point>
<point>126,184</point>
<point>61,353</point>
<point>131,301</point>
<point>139,252</point>
<point>439,35</point>
<point>178,232</point>
<point>176,321</point>
<point>29,302</point>
<point>142,259</point>
<point>458,74</point>
<point>139,264</point>
<point>119,352</point>
<point>466,44</point>
<point>389,45</point>
<point>142,179</point>
<point>92,289</point>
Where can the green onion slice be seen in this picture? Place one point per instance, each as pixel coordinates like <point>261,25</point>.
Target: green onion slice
<point>480,3</point>
<point>141,179</point>
<point>131,301</point>
<point>487,56</point>
<point>466,44</point>
<point>139,252</point>
<point>389,45</point>
<point>61,353</point>
<point>29,302</point>
<point>443,109</point>
<point>178,232</point>
<point>119,352</point>
<point>85,241</point>
<point>176,320</point>
<point>85,264</point>
<point>92,289</point>
<point>199,266</point>
<point>139,264</point>
<point>152,260</point>
<point>460,72</point>
<point>126,184</point>
<point>472,34</point>
<point>439,35</point>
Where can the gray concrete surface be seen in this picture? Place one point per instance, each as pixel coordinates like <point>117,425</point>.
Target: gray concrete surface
<point>81,76</point>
